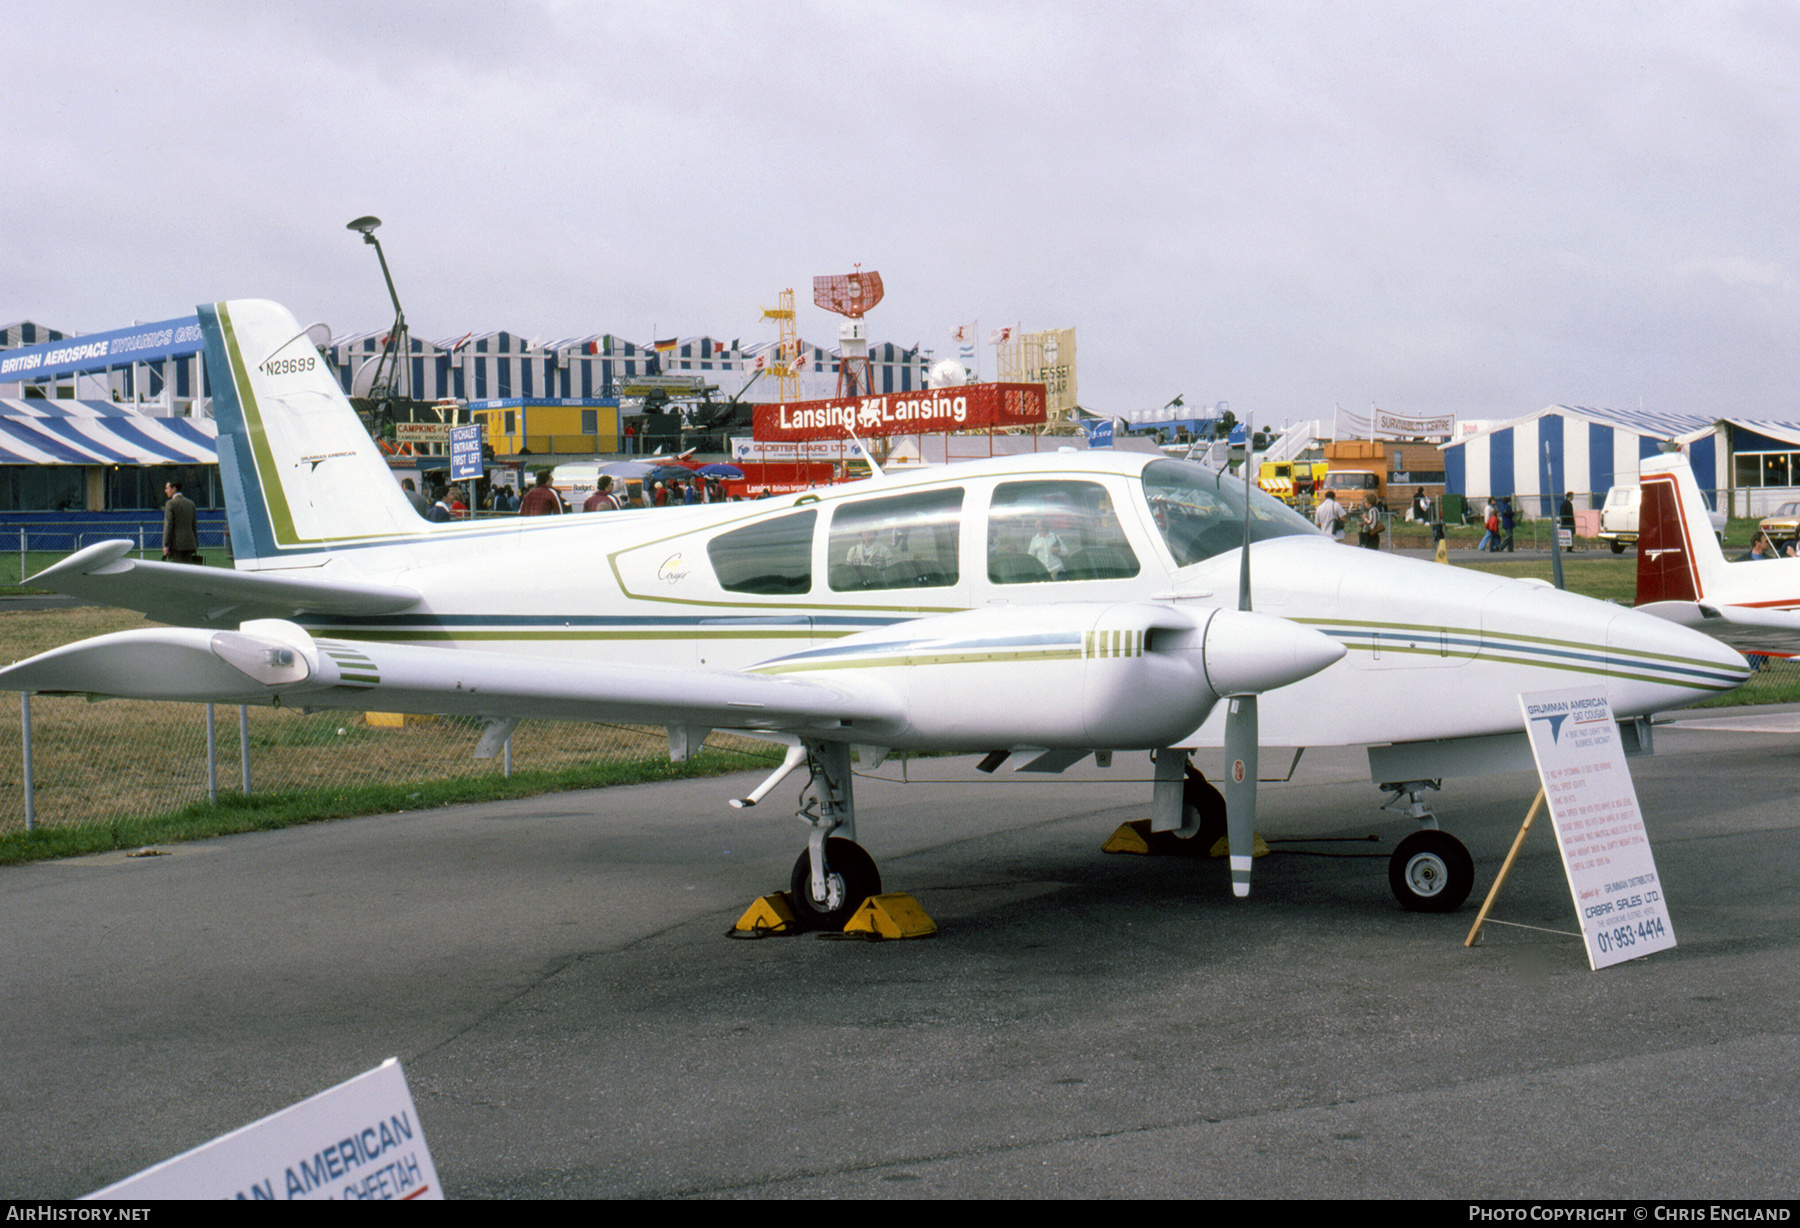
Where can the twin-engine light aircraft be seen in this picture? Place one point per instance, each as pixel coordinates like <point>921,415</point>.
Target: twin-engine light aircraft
<point>1061,604</point>
<point>1683,576</point>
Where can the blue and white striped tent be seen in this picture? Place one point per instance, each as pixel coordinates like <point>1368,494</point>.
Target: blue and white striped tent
<point>100,433</point>
<point>1589,450</point>
<point>595,365</point>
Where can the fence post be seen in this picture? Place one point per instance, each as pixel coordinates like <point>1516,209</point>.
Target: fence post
<point>212,756</point>
<point>21,554</point>
<point>25,728</point>
<point>244,744</point>
<point>506,757</point>
<point>141,541</point>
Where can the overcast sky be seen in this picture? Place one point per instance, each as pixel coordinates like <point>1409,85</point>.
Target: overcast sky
<point>1477,209</point>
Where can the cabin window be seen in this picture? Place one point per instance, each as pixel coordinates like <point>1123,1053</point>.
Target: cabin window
<point>909,541</point>
<point>772,557</point>
<point>1056,530</point>
<point>1200,512</point>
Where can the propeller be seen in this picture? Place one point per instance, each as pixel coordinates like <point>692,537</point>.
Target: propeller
<point>1241,733</point>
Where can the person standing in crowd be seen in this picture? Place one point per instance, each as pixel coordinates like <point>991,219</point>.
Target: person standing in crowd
<point>1490,540</point>
<point>1329,516</point>
<point>541,500</point>
<point>1369,525</point>
<point>603,499</point>
<point>181,534</point>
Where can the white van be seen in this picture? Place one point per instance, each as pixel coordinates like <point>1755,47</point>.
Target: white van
<point>1619,518</point>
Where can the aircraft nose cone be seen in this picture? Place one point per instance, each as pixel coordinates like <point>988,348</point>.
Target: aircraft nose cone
<point>1653,664</point>
<point>1247,653</point>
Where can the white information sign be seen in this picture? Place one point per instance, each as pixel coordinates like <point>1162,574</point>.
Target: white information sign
<point>1599,828</point>
<point>361,1139</point>
<point>465,452</point>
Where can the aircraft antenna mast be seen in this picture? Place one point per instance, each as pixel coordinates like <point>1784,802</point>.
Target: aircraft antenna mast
<point>786,367</point>
<point>851,295</point>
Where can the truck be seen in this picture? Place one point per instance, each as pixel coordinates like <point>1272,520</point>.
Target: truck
<point>1293,482</point>
<point>1389,469</point>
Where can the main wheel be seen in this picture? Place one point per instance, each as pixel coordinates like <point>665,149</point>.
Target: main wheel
<point>1618,547</point>
<point>850,878</point>
<point>1431,872</point>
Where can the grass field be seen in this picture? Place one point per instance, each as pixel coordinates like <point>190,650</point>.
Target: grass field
<point>123,761</point>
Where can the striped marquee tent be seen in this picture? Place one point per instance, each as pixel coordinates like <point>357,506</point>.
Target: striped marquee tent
<point>1589,450</point>
<point>100,433</point>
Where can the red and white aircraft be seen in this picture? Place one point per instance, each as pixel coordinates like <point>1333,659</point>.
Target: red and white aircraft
<point>1683,574</point>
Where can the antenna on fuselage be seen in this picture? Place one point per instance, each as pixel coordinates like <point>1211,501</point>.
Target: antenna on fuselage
<point>874,464</point>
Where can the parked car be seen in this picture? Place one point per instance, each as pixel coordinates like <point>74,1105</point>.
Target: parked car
<point>1784,525</point>
<point>1619,518</point>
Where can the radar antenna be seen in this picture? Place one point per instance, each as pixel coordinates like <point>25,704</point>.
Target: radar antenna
<point>851,295</point>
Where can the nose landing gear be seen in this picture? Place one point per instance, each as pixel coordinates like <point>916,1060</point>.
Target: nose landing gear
<point>1430,870</point>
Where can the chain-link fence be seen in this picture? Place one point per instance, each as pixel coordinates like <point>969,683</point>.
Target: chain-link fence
<point>93,763</point>
<point>26,549</point>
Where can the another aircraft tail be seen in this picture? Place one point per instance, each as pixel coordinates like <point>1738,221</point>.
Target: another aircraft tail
<point>301,475</point>
<point>1678,556</point>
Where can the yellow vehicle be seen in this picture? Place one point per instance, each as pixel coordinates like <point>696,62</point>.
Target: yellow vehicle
<point>1291,481</point>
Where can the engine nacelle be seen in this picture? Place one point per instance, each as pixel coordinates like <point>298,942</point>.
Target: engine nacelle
<point>1119,676</point>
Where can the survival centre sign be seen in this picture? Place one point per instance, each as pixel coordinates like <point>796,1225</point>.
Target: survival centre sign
<point>972,407</point>
<point>1599,828</point>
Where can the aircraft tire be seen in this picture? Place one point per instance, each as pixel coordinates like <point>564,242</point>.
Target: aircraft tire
<point>1618,547</point>
<point>851,878</point>
<point>1431,871</point>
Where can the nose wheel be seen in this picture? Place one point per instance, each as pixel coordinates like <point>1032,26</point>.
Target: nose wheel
<point>1431,871</point>
<point>850,878</point>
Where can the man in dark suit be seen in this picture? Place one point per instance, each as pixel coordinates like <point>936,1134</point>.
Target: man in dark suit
<point>181,540</point>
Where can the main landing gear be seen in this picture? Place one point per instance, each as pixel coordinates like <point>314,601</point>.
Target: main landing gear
<point>850,878</point>
<point>835,877</point>
<point>1430,870</point>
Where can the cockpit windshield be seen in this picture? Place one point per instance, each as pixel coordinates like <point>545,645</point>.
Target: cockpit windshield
<point>1200,512</point>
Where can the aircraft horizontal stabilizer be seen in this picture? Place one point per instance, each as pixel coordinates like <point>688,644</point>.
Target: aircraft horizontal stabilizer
<point>1771,631</point>
<point>191,596</point>
<point>272,661</point>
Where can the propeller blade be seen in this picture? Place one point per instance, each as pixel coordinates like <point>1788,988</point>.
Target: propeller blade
<point>1240,788</point>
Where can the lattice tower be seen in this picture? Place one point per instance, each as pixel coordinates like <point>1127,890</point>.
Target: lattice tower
<point>786,367</point>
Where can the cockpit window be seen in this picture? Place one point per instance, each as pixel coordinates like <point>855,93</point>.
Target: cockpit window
<point>1200,512</point>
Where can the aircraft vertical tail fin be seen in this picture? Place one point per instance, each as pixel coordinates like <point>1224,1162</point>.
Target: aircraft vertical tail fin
<point>1678,556</point>
<point>301,475</point>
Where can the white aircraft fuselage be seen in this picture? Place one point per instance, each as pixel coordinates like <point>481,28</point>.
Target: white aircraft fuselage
<point>1067,602</point>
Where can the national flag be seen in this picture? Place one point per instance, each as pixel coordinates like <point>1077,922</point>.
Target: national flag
<point>665,347</point>
<point>1000,336</point>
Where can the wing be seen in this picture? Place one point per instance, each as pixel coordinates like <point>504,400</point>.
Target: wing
<point>191,596</point>
<point>1769,630</point>
<point>1116,676</point>
<point>277,662</point>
